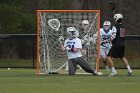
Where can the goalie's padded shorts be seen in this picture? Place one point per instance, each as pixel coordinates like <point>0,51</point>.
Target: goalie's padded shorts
<point>117,51</point>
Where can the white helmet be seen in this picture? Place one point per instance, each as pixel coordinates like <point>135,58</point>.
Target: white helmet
<point>106,25</point>
<point>85,23</point>
<point>72,32</point>
<point>117,17</point>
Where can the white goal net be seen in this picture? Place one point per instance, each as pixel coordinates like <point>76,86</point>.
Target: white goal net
<point>51,25</point>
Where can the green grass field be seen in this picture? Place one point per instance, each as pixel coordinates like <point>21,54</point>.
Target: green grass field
<point>26,81</point>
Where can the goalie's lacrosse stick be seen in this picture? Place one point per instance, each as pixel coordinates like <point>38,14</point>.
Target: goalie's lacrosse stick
<point>54,24</point>
<point>61,39</point>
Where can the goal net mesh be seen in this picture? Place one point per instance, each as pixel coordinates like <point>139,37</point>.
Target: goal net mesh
<point>50,57</point>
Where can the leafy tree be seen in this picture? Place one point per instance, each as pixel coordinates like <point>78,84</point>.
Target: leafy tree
<point>14,19</point>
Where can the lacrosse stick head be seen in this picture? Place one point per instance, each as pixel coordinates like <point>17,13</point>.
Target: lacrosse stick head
<point>54,24</point>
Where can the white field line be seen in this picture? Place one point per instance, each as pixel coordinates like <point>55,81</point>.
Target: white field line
<point>127,83</point>
<point>22,78</point>
<point>39,84</point>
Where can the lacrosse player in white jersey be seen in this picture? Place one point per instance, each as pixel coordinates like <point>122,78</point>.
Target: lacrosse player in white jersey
<point>73,47</point>
<point>106,37</point>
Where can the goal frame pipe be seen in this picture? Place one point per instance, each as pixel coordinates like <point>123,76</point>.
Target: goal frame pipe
<point>55,11</point>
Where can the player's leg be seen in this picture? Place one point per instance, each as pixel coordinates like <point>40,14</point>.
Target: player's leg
<point>106,64</point>
<point>67,66</point>
<point>85,66</point>
<point>71,66</point>
<point>122,51</point>
<point>109,58</point>
<point>127,65</point>
<point>84,52</point>
<point>84,55</point>
<point>113,71</point>
<point>103,53</point>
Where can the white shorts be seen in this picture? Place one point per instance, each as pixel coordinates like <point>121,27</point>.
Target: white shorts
<point>103,52</point>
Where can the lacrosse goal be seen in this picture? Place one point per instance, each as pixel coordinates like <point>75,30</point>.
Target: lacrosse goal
<point>53,23</point>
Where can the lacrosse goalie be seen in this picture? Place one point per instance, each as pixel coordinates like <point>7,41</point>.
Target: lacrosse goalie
<point>106,37</point>
<point>73,47</point>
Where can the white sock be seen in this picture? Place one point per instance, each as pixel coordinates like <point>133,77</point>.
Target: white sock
<point>106,67</point>
<point>67,67</point>
<point>129,69</point>
<point>113,69</point>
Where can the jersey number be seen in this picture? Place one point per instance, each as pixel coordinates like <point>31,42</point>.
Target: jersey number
<point>71,46</point>
<point>122,32</point>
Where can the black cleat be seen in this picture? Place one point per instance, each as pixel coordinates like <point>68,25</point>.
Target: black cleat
<point>129,74</point>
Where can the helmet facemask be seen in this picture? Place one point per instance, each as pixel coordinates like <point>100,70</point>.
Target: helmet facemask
<point>71,32</point>
<point>119,21</point>
<point>118,18</point>
<point>85,24</point>
<point>106,25</point>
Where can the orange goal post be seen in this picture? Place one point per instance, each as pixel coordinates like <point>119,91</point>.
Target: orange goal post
<point>51,24</point>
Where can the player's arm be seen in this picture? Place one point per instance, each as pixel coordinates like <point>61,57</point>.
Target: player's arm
<point>77,47</point>
<point>94,38</point>
<point>114,30</point>
<point>61,41</point>
<point>62,47</point>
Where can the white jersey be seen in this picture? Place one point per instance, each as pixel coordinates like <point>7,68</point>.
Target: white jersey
<point>74,43</point>
<point>106,38</point>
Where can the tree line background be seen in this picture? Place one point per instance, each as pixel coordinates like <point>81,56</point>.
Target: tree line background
<point>19,17</point>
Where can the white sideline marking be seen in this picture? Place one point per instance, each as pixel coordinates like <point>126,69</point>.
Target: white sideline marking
<point>21,78</point>
<point>39,84</point>
<point>84,73</point>
<point>126,83</point>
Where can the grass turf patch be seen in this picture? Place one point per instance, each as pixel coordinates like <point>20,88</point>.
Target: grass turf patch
<point>26,81</point>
